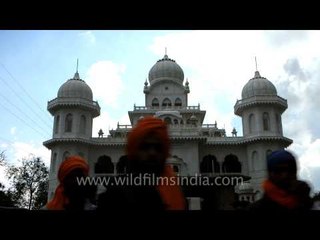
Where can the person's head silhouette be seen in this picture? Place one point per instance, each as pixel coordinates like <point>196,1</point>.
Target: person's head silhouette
<point>148,146</point>
<point>70,194</point>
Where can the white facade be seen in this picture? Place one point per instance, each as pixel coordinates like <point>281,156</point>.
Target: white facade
<point>196,148</point>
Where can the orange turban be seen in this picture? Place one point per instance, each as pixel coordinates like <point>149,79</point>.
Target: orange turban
<point>73,162</point>
<point>145,126</point>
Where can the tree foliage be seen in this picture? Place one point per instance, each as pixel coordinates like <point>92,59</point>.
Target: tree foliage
<point>6,197</point>
<point>41,196</point>
<point>2,159</point>
<point>29,182</point>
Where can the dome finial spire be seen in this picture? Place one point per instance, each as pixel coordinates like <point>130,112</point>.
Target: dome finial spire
<point>165,53</point>
<point>255,58</point>
<point>77,63</point>
<point>76,75</point>
<point>256,74</point>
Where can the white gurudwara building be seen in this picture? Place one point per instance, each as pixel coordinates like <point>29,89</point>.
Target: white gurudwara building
<point>196,148</point>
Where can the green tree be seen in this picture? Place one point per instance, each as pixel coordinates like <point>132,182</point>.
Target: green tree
<point>41,196</point>
<point>6,197</point>
<point>2,159</point>
<point>29,182</point>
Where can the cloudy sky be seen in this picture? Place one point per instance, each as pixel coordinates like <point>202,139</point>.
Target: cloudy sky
<point>115,64</point>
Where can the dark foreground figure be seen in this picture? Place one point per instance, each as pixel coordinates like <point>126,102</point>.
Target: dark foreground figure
<point>282,190</point>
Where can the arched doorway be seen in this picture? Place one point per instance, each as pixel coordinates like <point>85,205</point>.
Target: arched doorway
<point>231,164</point>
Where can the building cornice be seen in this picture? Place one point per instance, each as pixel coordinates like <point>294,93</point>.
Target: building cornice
<point>259,100</point>
<point>122,141</point>
<point>188,138</point>
<point>247,140</point>
<point>86,104</point>
<point>92,142</point>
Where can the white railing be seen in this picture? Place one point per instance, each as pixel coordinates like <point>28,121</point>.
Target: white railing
<point>209,125</point>
<point>173,107</point>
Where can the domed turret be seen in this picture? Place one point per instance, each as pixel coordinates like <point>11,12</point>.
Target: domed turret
<point>258,86</point>
<point>75,88</point>
<point>166,69</point>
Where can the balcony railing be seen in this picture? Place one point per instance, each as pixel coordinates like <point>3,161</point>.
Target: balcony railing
<point>144,108</point>
<point>209,125</point>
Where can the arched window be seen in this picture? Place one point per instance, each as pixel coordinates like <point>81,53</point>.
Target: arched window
<point>122,165</point>
<point>278,123</point>
<point>166,102</point>
<point>266,121</point>
<point>83,124</point>
<point>209,164</point>
<point>155,102</point>
<point>252,122</point>
<point>178,102</point>
<point>177,164</point>
<point>104,165</point>
<point>65,155</point>
<point>57,123</point>
<point>254,160</point>
<point>168,120</point>
<point>175,121</point>
<point>231,164</point>
<point>68,123</point>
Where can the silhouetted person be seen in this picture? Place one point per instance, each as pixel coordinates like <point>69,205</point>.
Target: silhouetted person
<point>70,194</point>
<point>147,149</point>
<point>282,189</point>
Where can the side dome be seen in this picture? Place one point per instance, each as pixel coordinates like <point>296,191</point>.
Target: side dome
<point>258,86</point>
<point>166,68</point>
<point>75,88</point>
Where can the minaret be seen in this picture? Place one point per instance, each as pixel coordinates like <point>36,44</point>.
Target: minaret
<point>73,111</point>
<point>260,109</point>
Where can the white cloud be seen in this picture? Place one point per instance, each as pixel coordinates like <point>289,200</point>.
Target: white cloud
<point>311,153</point>
<point>103,122</point>
<point>286,37</point>
<point>88,36</point>
<point>24,150</point>
<point>106,123</point>
<point>13,130</point>
<point>3,145</point>
<point>104,78</point>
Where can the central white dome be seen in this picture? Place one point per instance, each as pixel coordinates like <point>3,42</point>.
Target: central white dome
<point>166,69</point>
